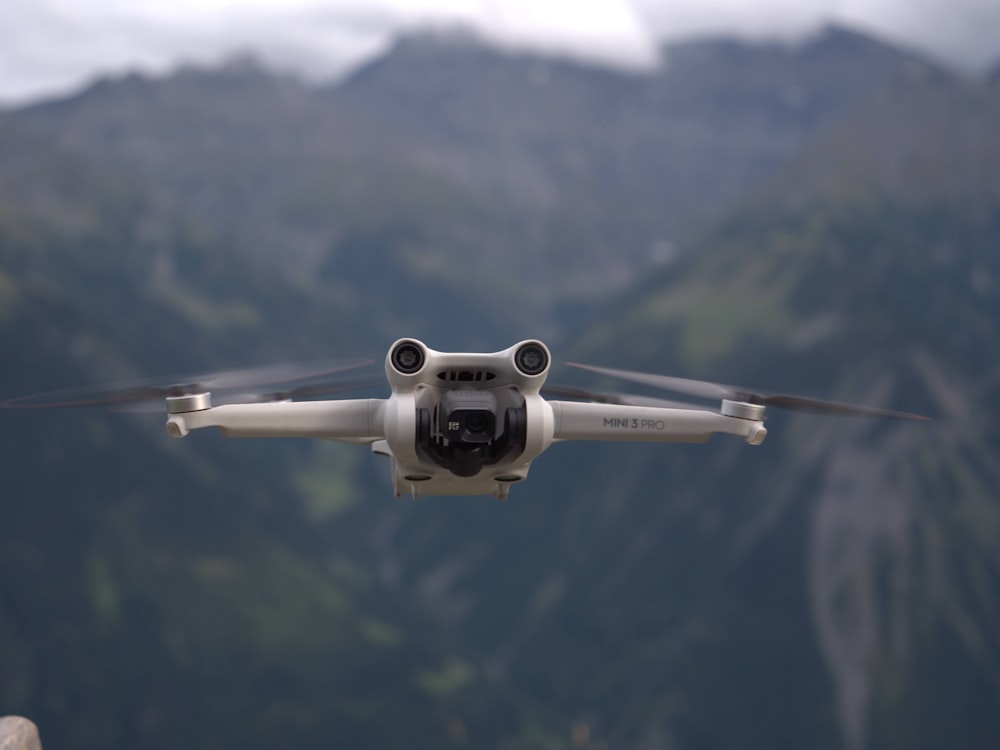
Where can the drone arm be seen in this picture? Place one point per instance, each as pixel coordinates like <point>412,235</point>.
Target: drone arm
<point>576,420</point>
<point>352,420</point>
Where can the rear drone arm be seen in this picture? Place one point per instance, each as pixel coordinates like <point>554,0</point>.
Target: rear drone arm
<point>349,420</point>
<point>576,420</point>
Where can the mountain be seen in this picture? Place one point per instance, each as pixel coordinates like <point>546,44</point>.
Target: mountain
<point>161,595</point>
<point>836,587</point>
<point>823,219</point>
<point>446,149</point>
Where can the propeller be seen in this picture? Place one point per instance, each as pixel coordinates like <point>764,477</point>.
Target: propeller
<point>246,383</point>
<point>310,390</point>
<point>705,389</point>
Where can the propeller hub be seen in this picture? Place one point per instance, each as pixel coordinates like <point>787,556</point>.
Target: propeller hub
<point>188,403</point>
<point>742,410</point>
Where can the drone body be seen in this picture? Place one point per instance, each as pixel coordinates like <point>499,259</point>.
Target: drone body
<point>458,423</point>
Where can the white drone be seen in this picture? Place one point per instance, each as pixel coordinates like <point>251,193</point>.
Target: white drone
<point>457,423</point>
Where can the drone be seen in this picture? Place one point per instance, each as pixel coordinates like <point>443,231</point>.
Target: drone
<point>455,423</point>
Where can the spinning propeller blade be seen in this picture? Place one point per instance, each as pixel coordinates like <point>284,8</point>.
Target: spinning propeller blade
<point>241,381</point>
<point>705,389</point>
<point>310,390</point>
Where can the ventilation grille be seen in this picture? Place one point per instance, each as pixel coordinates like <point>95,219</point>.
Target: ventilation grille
<point>466,376</point>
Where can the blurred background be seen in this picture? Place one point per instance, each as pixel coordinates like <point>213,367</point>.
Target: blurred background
<point>794,196</point>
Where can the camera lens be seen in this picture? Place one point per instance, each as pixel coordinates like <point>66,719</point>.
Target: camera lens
<point>476,422</point>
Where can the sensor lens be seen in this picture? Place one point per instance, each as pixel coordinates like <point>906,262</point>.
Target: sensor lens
<point>531,359</point>
<point>407,358</point>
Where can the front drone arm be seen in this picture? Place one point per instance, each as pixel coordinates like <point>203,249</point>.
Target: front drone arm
<point>577,420</point>
<point>350,420</point>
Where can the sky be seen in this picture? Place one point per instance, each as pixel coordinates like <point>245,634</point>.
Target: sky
<point>51,47</point>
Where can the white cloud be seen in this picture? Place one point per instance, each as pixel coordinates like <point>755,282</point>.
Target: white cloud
<point>966,32</point>
<point>610,31</point>
<point>53,45</point>
<point>760,18</point>
<point>963,32</point>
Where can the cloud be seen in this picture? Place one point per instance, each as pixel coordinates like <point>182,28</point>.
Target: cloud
<point>966,33</point>
<point>51,46</point>
<point>55,45</point>
<point>611,31</point>
<point>962,32</point>
<point>762,18</point>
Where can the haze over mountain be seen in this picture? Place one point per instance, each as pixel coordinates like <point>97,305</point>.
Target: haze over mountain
<point>819,219</point>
